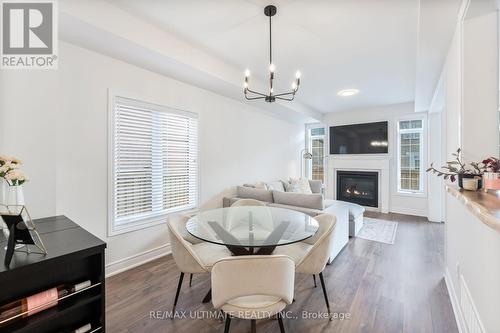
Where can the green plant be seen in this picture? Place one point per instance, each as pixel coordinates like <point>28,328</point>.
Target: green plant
<point>457,167</point>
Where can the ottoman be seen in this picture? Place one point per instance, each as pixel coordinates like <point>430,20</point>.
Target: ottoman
<point>355,214</point>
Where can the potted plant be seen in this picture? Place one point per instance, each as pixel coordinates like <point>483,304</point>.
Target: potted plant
<point>491,176</point>
<point>457,169</point>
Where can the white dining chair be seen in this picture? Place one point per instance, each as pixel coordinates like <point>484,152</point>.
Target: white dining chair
<point>311,255</point>
<point>191,254</point>
<point>247,202</point>
<point>244,287</point>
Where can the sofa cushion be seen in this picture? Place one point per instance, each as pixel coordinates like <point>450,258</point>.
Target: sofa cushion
<point>316,185</point>
<point>314,201</point>
<point>299,186</point>
<point>254,193</point>
<point>309,211</point>
<point>276,185</point>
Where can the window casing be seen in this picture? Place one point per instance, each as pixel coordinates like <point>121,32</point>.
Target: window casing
<point>316,143</point>
<point>153,165</point>
<point>410,156</point>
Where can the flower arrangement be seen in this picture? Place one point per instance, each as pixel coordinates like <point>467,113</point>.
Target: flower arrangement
<point>457,167</point>
<point>492,164</point>
<point>491,175</point>
<point>9,170</point>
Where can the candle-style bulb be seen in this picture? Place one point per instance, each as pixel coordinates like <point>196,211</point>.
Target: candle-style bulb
<point>247,73</point>
<point>297,75</point>
<point>272,68</point>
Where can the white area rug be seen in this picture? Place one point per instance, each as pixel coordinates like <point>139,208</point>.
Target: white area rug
<point>378,230</point>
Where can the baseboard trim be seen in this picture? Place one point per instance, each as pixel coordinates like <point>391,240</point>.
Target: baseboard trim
<point>408,211</point>
<point>138,259</point>
<point>455,304</point>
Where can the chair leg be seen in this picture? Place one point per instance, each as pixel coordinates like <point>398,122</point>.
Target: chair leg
<point>190,279</point>
<point>228,322</point>
<point>326,295</point>
<point>208,297</point>
<point>253,328</point>
<point>280,322</point>
<point>179,285</point>
<point>314,277</point>
<point>221,316</point>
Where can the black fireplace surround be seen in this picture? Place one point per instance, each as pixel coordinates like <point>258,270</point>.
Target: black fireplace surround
<point>358,187</point>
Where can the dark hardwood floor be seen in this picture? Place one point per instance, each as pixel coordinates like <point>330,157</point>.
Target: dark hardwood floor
<point>383,288</point>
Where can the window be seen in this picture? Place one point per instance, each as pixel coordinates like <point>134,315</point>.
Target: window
<point>316,146</point>
<point>410,153</point>
<point>154,164</point>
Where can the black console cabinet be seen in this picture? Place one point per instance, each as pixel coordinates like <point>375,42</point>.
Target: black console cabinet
<point>73,255</point>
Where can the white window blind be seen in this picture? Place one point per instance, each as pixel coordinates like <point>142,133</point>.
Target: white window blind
<point>410,153</point>
<point>155,168</point>
<point>317,147</point>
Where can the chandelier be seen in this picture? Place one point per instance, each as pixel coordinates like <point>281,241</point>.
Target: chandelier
<point>270,97</point>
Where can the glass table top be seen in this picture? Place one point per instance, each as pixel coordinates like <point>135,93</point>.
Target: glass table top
<point>252,226</point>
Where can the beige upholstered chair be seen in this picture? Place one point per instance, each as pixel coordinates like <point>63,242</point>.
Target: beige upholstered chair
<point>191,254</point>
<point>245,287</point>
<point>311,255</point>
<point>247,202</point>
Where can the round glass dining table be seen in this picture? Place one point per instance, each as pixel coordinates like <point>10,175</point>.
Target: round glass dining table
<point>252,229</point>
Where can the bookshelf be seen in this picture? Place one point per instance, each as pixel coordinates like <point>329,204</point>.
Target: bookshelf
<point>73,255</point>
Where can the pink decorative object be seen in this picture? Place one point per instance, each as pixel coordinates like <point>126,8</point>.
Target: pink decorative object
<point>41,301</point>
<point>491,181</point>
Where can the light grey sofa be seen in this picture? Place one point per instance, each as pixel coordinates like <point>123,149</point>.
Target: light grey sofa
<point>349,216</point>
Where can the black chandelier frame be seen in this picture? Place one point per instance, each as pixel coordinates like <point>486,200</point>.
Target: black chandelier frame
<point>250,94</point>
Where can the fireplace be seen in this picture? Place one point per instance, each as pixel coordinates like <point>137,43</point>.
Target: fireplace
<point>358,187</point>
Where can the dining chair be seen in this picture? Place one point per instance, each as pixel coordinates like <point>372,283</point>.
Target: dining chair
<point>247,202</point>
<point>191,254</point>
<point>312,254</point>
<point>244,287</point>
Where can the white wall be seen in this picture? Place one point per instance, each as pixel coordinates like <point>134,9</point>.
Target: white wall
<point>469,120</point>
<point>69,127</point>
<point>399,203</point>
<point>436,138</point>
<point>27,117</point>
<point>480,87</point>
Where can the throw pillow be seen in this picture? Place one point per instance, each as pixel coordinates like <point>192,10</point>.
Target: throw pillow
<point>292,186</point>
<point>276,186</point>
<point>260,186</point>
<point>299,185</point>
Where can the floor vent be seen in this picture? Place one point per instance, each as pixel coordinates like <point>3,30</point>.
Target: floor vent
<point>469,311</point>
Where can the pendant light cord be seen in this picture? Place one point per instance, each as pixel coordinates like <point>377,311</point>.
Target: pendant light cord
<point>270,43</point>
<point>271,73</point>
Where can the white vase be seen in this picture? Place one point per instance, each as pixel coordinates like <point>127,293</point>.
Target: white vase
<point>12,195</point>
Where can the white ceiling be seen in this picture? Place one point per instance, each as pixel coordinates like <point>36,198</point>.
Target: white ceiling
<point>370,45</point>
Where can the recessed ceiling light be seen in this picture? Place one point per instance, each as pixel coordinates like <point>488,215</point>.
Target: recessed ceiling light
<point>348,92</point>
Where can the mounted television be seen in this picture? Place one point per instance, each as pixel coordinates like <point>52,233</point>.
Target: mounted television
<point>369,138</point>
